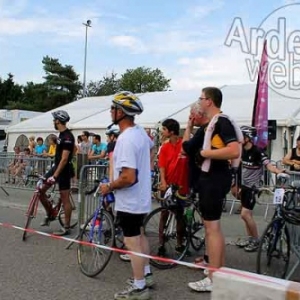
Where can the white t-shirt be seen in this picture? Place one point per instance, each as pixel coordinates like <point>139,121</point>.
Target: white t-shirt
<point>132,150</point>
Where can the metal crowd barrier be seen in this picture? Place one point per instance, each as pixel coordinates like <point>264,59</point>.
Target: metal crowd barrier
<point>15,169</point>
<point>87,204</point>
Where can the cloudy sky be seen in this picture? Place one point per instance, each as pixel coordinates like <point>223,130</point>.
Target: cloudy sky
<point>194,42</point>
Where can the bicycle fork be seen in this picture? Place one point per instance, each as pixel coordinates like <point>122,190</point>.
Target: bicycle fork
<point>32,209</point>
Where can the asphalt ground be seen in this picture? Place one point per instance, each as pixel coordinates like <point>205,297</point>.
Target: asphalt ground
<point>41,268</point>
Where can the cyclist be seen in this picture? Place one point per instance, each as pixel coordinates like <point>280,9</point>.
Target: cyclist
<point>61,172</point>
<point>167,163</point>
<point>132,186</point>
<point>253,161</point>
<point>112,135</point>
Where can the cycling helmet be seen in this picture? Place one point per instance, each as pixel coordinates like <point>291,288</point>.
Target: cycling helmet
<point>249,131</point>
<point>128,102</point>
<point>113,131</point>
<point>61,115</point>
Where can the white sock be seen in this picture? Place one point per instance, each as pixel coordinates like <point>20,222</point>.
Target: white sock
<point>140,284</point>
<point>147,270</point>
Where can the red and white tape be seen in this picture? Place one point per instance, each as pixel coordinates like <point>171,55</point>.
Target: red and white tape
<point>167,260</point>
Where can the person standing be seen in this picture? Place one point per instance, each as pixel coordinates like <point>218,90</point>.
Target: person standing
<point>132,186</point>
<point>191,147</point>
<point>61,172</point>
<point>253,161</point>
<point>221,144</point>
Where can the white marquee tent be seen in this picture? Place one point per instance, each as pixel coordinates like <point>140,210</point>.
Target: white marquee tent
<point>93,113</point>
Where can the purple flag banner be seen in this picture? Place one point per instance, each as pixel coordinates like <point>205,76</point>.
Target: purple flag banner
<point>260,108</point>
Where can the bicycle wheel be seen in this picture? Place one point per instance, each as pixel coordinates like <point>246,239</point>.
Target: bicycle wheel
<point>168,236</point>
<point>274,248</point>
<point>92,260</point>
<point>74,218</point>
<point>30,214</point>
<point>196,231</point>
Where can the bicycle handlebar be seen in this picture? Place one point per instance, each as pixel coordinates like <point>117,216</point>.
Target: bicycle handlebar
<point>283,176</point>
<point>95,189</point>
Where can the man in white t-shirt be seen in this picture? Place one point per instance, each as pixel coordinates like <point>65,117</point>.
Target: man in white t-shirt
<point>132,186</point>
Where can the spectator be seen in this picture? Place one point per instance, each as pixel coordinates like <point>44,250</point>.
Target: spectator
<point>40,149</point>
<point>32,144</point>
<point>148,131</point>
<point>24,167</point>
<point>98,150</point>
<point>86,145</point>
<point>15,164</point>
<point>52,147</point>
<point>79,141</point>
<point>292,158</point>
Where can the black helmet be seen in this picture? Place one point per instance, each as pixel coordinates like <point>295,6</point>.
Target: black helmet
<point>61,115</point>
<point>249,131</point>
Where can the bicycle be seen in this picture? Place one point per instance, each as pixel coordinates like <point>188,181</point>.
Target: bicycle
<point>101,229</point>
<point>275,241</point>
<point>56,204</point>
<point>174,205</point>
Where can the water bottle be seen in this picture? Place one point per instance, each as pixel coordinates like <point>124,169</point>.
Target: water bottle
<point>189,215</point>
<point>110,198</point>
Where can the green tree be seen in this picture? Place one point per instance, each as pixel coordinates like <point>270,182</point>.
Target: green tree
<point>61,83</point>
<point>9,91</point>
<point>142,80</point>
<point>33,98</point>
<point>108,85</point>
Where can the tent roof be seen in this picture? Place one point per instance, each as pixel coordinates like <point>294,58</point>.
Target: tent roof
<point>93,112</point>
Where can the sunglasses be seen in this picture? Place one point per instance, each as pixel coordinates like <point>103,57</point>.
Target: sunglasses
<point>113,107</point>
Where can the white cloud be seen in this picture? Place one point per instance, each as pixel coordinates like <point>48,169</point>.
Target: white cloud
<point>203,10</point>
<point>130,42</point>
<point>184,35</point>
<point>223,66</point>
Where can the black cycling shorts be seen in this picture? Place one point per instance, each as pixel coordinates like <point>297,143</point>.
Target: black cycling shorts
<point>64,178</point>
<point>130,223</point>
<point>212,189</point>
<point>247,198</point>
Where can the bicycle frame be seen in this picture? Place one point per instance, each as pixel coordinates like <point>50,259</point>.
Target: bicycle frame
<point>95,215</point>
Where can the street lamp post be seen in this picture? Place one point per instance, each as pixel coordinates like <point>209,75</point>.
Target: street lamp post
<point>87,25</point>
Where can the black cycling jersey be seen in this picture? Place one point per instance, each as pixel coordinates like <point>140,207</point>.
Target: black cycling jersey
<point>65,141</point>
<point>111,147</point>
<point>223,134</point>
<point>192,149</point>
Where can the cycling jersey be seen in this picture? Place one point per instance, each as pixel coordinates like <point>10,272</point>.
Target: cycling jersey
<point>192,149</point>
<point>253,161</point>
<point>65,141</point>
